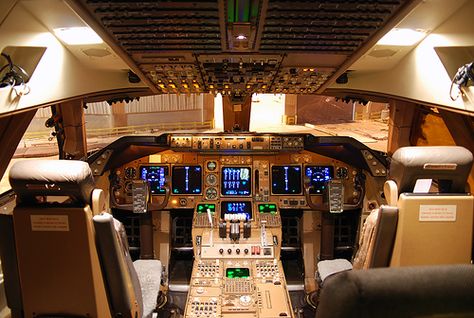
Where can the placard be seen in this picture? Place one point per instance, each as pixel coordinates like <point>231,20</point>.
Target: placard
<point>437,213</point>
<point>49,223</point>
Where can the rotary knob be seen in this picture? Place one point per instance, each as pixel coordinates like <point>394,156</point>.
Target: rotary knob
<point>245,300</point>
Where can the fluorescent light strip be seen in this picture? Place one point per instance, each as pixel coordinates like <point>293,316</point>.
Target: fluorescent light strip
<point>402,37</point>
<point>78,36</point>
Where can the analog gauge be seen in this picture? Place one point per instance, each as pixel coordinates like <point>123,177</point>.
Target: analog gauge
<point>211,179</point>
<point>341,173</point>
<point>211,193</point>
<point>211,165</point>
<point>130,173</point>
<point>128,187</point>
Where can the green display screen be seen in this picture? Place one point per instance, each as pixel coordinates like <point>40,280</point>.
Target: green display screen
<point>238,272</point>
<point>268,208</point>
<point>202,208</point>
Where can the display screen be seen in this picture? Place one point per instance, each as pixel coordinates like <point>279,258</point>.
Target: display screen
<point>236,207</point>
<point>187,180</point>
<point>202,207</point>
<point>237,272</point>
<point>268,208</point>
<point>155,176</point>
<point>286,179</point>
<point>235,181</point>
<point>319,176</point>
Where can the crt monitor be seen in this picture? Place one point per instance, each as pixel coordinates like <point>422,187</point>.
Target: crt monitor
<point>286,179</point>
<point>236,181</point>
<point>236,210</point>
<point>186,180</point>
<point>155,176</point>
<point>319,176</point>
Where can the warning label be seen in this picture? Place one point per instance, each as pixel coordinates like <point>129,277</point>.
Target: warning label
<point>58,223</point>
<point>437,213</point>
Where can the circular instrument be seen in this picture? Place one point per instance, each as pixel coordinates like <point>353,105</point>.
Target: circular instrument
<point>341,173</point>
<point>211,179</point>
<point>211,193</point>
<point>211,165</point>
<point>130,173</point>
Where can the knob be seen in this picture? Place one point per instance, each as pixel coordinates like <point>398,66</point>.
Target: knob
<point>221,251</point>
<point>229,251</point>
<point>237,251</point>
<point>246,251</point>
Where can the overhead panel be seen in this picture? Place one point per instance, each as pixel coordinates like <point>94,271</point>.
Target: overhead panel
<point>239,47</point>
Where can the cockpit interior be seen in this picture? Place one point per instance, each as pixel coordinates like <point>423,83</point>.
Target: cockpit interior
<point>134,218</point>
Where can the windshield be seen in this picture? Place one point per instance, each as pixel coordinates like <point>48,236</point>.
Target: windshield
<point>107,121</point>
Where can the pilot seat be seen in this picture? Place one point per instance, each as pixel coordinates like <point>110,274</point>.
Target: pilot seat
<point>65,255</point>
<point>428,221</point>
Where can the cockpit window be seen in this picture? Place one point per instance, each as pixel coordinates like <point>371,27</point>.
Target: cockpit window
<point>107,121</point>
<point>37,142</point>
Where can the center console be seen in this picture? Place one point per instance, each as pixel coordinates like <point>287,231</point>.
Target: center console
<point>237,270</point>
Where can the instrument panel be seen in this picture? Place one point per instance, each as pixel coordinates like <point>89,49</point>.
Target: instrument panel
<point>197,176</point>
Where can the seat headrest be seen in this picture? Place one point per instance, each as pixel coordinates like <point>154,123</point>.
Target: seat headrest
<point>450,165</point>
<point>31,178</point>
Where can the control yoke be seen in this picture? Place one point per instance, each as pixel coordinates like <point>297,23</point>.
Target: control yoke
<point>164,203</point>
<point>307,192</point>
<point>141,198</point>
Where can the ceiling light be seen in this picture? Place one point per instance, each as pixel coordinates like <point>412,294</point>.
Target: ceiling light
<point>402,37</point>
<point>241,37</point>
<point>78,36</point>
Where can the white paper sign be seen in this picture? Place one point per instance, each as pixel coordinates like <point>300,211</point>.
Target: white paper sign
<point>437,213</point>
<point>55,223</point>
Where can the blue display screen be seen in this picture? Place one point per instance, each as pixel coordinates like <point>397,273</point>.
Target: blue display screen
<point>155,176</point>
<point>319,176</point>
<point>286,179</point>
<point>236,207</point>
<point>187,180</point>
<point>236,181</point>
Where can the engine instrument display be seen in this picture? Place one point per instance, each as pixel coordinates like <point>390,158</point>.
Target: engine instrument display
<point>319,176</point>
<point>235,181</point>
<point>155,176</point>
<point>286,179</point>
<point>237,272</point>
<point>187,180</point>
<point>238,210</point>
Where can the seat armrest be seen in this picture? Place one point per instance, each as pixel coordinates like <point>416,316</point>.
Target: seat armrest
<point>149,273</point>
<point>331,267</point>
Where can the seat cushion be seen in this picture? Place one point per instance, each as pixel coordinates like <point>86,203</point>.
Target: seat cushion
<point>330,267</point>
<point>149,274</point>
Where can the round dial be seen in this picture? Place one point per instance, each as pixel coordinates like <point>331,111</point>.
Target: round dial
<point>211,193</point>
<point>211,179</point>
<point>211,165</point>
<point>130,173</point>
<point>245,300</point>
<point>342,172</point>
<point>128,187</point>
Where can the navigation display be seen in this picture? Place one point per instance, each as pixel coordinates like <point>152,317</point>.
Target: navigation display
<point>319,176</point>
<point>155,176</point>
<point>236,181</point>
<point>187,180</point>
<point>286,180</point>
<point>238,210</point>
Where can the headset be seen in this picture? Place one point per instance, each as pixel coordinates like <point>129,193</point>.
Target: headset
<point>462,77</point>
<point>15,75</point>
